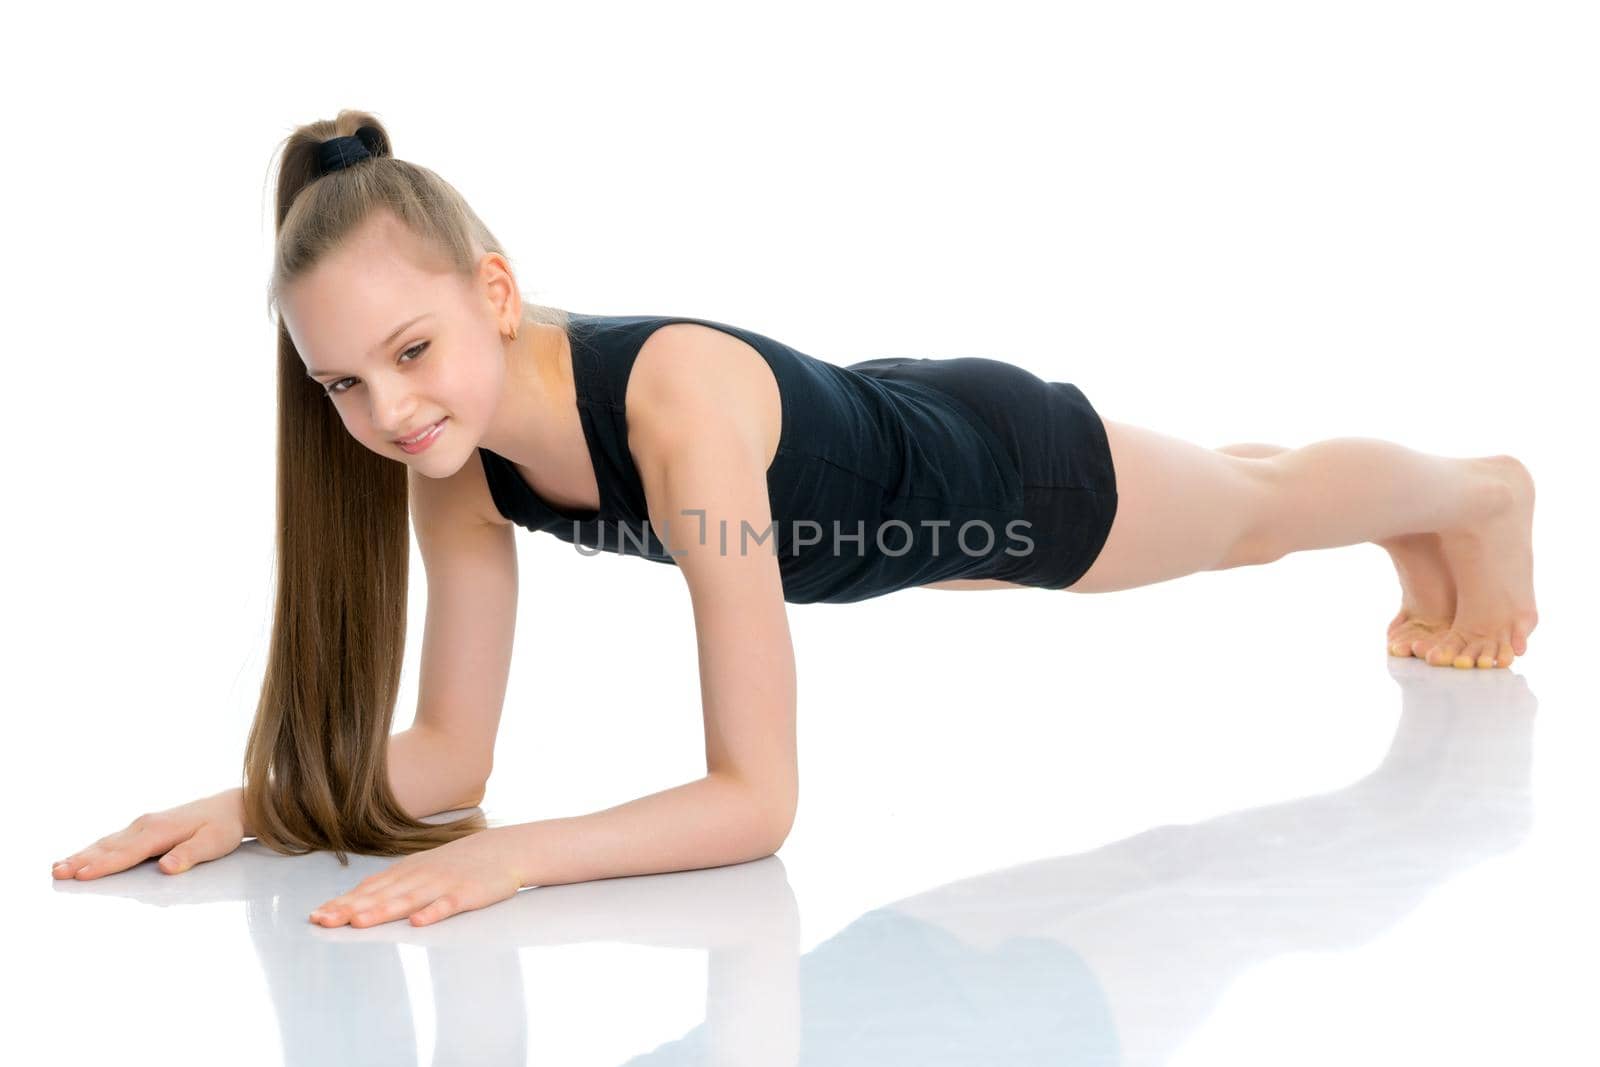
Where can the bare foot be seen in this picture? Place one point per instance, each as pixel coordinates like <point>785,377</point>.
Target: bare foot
<point>1427,592</point>
<point>1492,563</point>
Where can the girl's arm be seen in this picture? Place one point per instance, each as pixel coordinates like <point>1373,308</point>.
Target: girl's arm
<point>420,773</point>
<point>706,455</point>
<point>443,761</point>
<point>428,773</point>
<point>700,453</point>
<point>467,637</point>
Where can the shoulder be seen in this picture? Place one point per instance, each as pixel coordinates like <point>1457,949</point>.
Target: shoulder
<point>462,498</point>
<point>688,377</point>
<point>686,361</point>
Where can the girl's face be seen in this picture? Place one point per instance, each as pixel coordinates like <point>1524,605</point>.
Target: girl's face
<point>398,346</point>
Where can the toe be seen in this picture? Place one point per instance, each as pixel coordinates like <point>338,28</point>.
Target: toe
<point>1396,624</point>
<point>1480,653</point>
<point>1521,626</point>
<point>1460,652</point>
<point>1442,652</point>
<point>1505,655</point>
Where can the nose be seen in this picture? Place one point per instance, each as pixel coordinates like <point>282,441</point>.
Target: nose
<point>393,409</point>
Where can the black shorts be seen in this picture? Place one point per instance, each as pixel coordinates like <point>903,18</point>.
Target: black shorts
<point>1056,441</point>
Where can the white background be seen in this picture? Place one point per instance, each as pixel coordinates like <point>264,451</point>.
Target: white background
<point>1224,221</point>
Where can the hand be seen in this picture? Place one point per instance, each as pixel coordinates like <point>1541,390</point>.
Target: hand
<point>189,834</point>
<point>463,875</point>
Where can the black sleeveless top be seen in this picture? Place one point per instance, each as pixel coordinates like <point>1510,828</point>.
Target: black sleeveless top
<point>878,483</point>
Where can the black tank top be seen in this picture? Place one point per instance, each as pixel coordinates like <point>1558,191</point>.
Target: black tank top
<point>878,484</point>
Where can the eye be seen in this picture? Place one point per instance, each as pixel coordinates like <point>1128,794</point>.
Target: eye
<point>334,389</point>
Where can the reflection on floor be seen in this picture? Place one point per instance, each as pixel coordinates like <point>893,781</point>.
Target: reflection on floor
<point>1112,956</point>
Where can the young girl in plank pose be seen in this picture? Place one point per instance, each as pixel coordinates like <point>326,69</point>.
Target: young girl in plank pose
<point>414,385</point>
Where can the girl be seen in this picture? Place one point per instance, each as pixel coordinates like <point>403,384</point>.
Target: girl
<point>415,385</point>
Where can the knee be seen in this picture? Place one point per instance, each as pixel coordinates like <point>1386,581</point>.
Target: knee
<point>1251,551</point>
<point>1251,450</point>
<point>1258,534</point>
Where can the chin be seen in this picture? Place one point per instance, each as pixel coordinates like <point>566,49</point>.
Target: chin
<point>431,465</point>
<point>426,465</point>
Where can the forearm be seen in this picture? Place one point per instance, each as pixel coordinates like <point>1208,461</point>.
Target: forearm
<point>424,775</point>
<point>427,776</point>
<point>711,822</point>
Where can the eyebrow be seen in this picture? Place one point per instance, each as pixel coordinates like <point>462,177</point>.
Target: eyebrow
<point>396,332</point>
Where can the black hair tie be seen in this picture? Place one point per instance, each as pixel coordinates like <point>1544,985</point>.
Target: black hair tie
<point>347,151</point>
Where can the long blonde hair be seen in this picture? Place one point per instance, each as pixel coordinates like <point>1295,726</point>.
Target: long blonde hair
<point>315,766</point>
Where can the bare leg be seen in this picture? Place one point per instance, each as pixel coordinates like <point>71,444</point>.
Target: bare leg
<point>1347,490</point>
<point>1427,588</point>
<point>1183,508</point>
<point>1480,510</point>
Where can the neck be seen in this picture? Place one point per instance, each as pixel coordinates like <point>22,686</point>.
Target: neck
<point>537,382</point>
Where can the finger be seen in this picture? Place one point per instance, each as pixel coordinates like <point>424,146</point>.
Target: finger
<point>340,908</point>
<point>376,883</point>
<point>202,845</point>
<point>90,861</point>
<point>396,905</point>
<point>335,912</point>
<point>442,907</point>
<point>142,838</point>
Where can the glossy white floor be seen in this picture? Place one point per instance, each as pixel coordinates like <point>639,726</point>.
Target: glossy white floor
<point>1207,822</point>
<point>1014,847</point>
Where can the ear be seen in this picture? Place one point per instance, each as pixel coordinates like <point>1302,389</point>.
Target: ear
<point>500,287</point>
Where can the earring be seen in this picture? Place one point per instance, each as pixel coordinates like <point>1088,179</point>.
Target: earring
<point>513,333</point>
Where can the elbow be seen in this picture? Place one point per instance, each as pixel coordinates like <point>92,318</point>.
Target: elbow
<point>775,842</point>
<point>477,787</point>
<point>778,827</point>
<point>479,781</point>
<point>764,823</point>
<point>765,812</point>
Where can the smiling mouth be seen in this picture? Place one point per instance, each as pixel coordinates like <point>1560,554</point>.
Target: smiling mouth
<point>419,435</point>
